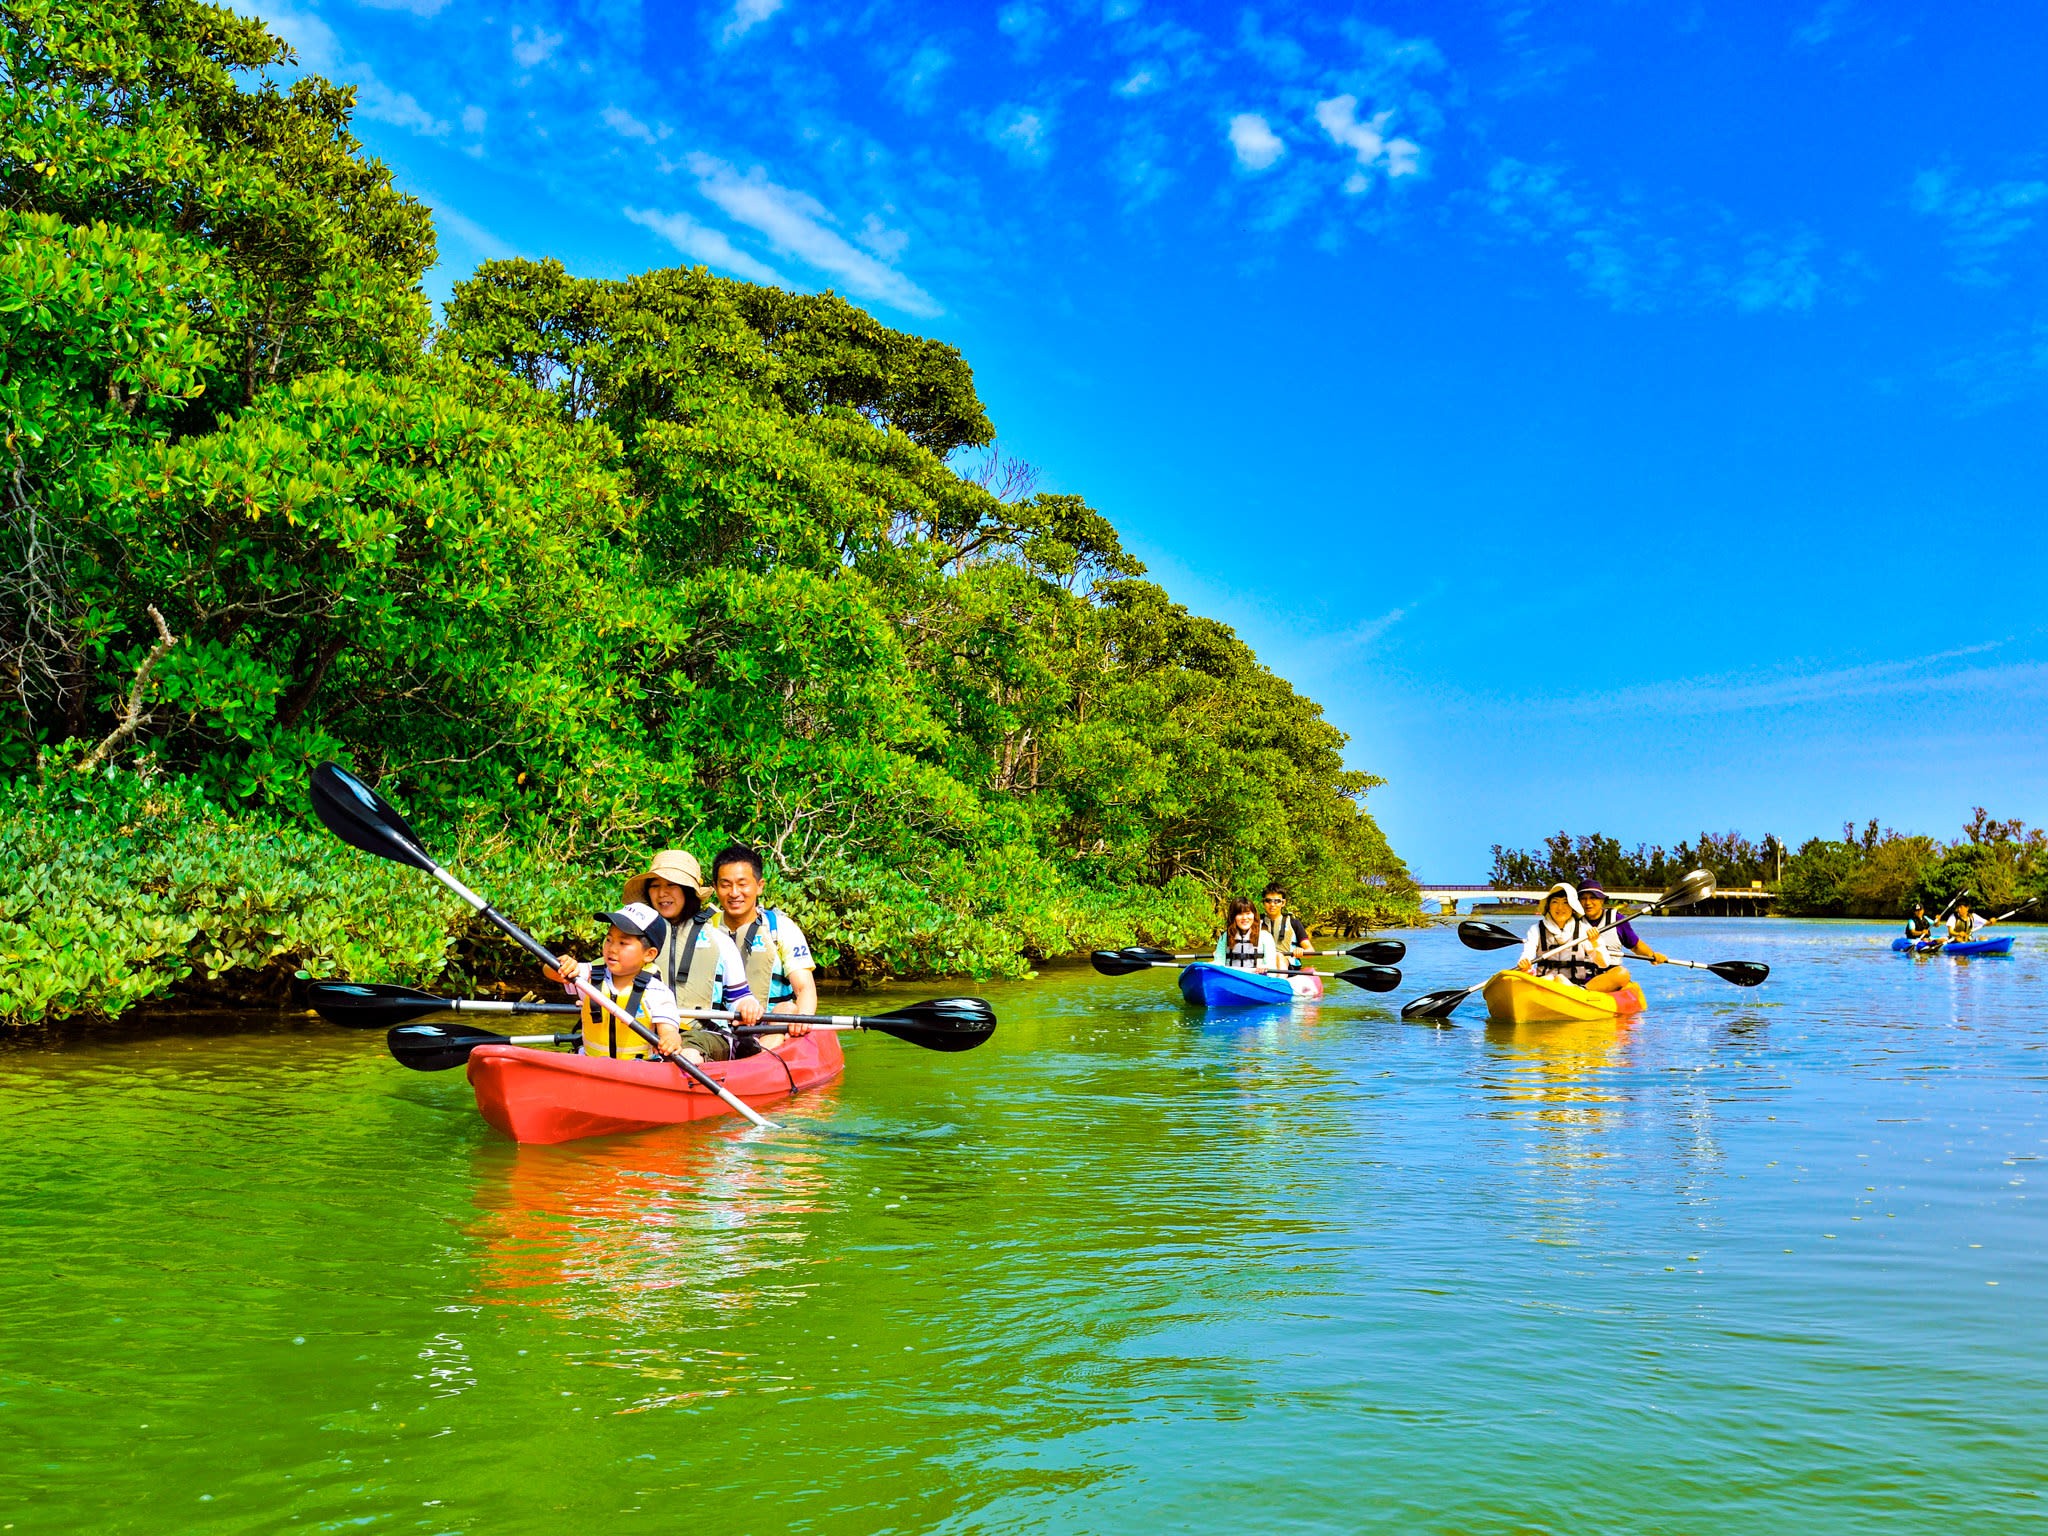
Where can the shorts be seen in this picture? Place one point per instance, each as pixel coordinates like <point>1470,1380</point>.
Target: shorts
<point>709,1043</point>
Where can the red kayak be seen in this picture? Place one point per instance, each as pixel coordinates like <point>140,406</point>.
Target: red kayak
<point>548,1096</point>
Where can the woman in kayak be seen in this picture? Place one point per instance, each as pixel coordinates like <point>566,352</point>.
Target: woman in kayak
<point>1563,944</point>
<point>1917,927</point>
<point>1245,944</point>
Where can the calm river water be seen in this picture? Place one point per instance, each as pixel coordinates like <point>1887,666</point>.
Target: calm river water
<point>1764,1261</point>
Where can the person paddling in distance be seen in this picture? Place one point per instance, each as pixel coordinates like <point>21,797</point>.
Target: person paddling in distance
<point>628,978</point>
<point>771,946</point>
<point>1290,934</point>
<point>1918,929</point>
<point>1581,957</point>
<point>1967,922</point>
<point>1246,943</point>
<point>1620,933</point>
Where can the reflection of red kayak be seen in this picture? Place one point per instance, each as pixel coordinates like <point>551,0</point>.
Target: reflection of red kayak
<point>548,1096</point>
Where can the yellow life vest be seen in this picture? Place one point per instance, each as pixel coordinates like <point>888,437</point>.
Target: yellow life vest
<point>603,1034</point>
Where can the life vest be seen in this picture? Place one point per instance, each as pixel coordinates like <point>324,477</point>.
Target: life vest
<point>1282,930</point>
<point>761,975</point>
<point>1917,927</point>
<point>1245,952</point>
<point>1575,965</point>
<point>601,1027</point>
<point>688,962</point>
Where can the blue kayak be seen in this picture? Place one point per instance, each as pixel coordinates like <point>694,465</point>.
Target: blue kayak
<point>1209,985</point>
<point>1999,946</point>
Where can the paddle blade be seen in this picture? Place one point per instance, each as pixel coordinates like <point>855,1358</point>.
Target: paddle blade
<point>941,1024</point>
<point>435,1048</point>
<point>1145,954</point>
<point>1697,886</point>
<point>1474,934</point>
<point>1114,963</point>
<point>1434,1005</point>
<point>1374,978</point>
<point>357,815</point>
<point>370,1005</point>
<point>1379,952</point>
<point>1744,973</point>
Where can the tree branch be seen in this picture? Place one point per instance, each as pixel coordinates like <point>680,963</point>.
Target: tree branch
<point>134,717</point>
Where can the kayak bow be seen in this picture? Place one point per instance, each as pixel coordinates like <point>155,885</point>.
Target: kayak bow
<point>1516,997</point>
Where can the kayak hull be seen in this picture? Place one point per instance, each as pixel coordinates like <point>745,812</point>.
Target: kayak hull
<point>1516,997</point>
<point>2002,945</point>
<point>1208,985</point>
<point>544,1097</point>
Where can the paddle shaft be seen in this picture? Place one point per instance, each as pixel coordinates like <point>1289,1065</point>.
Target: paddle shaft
<point>533,947</point>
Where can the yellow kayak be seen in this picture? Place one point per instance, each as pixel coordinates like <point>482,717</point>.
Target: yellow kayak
<point>1516,997</point>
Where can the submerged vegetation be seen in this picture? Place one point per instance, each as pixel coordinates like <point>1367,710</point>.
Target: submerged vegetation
<point>1864,873</point>
<point>591,568</point>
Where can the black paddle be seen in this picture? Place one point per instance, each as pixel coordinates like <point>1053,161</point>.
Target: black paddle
<point>1373,952</point>
<point>1696,886</point>
<point>1125,962</point>
<point>1474,934</point>
<point>357,815</point>
<point>1744,973</point>
<point>938,1024</point>
<point>433,1048</point>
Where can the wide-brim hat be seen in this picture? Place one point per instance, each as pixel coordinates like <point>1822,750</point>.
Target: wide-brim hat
<point>674,865</point>
<point>1568,891</point>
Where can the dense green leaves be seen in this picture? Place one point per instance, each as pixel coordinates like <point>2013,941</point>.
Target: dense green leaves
<point>599,567</point>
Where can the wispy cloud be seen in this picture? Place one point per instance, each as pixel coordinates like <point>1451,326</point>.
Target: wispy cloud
<point>1731,694</point>
<point>1980,222</point>
<point>627,126</point>
<point>417,7</point>
<point>916,79</point>
<point>531,48</point>
<point>1020,132</point>
<point>747,15</point>
<point>1367,141</point>
<point>707,245</point>
<point>1027,26</point>
<point>485,244</point>
<point>1255,142</point>
<point>798,225</point>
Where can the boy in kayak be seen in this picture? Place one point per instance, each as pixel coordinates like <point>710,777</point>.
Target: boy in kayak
<point>1290,934</point>
<point>629,979</point>
<point>1563,944</point>
<point>698,960</point>
<point>1621,933</point>
<point>1245,943</point>
<point>770,945</point>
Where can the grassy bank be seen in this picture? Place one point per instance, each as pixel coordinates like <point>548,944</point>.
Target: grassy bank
<point>121,889</point>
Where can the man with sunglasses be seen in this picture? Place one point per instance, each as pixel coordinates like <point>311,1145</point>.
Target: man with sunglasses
<point>1290,933</point>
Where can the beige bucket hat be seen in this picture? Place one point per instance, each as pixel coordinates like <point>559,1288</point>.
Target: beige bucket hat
<point>676,866</point>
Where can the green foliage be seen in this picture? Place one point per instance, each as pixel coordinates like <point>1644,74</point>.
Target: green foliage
<point>1732,859</point>
<point>600,567</point>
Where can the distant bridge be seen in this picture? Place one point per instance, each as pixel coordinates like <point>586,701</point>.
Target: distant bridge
<point>1731,902</point>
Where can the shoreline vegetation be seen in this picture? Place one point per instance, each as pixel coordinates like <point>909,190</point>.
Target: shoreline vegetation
<point>586,569</point>
<point>1867,872</point>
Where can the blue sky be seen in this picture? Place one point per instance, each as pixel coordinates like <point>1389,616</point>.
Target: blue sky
<point>1619,416</point>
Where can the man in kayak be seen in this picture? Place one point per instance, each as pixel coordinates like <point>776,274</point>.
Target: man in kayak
<point>1564,945</point>
<point>1619,933</point>
<point>1918,929</point>
<point>1967,923</point>
<point>1245,943</point>
<point>1290,933</point>
<point>771,946</point>
<point>699,959</point>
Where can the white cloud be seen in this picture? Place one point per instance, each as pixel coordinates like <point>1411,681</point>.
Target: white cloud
<point>529,49</point>
<point>914,81</point>
<point>709,246</point>
<point>747,15</point>
<point>1138,84</point>
<point>310,38</point>
<point>1367,141</point>
<point>376,100</point>
<point>885,242</point>
<point>481,242</point>
<point>795,223</point>
<point>627,126</point>
<point>417,7</point>
<point>1257,145</point>
<point>472,119</point>
<point>1981,220</point>
<point>1026,25</point>
<point>1020,132</point>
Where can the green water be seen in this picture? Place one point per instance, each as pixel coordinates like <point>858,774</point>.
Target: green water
<point>1765,1261</point>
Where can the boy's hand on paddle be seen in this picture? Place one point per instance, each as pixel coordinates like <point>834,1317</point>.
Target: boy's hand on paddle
<point>568,970</point>
<point>671,1039</point>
